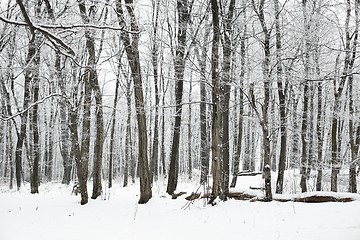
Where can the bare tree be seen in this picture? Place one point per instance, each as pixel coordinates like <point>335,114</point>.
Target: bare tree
<point>183,11</point>
<point>131,44</point>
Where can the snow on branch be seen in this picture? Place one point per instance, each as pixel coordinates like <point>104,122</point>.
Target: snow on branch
<point>30,107</point>
<point>46,33</point>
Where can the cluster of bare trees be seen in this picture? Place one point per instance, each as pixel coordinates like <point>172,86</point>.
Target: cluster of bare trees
<point>263,85</point>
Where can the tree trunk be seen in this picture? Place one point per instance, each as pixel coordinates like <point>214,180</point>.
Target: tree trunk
<point>347,69</point>
<point>264,120</point>
<point>237,155</point>
<point>155,49</point>
<point>354,136</point>
<point>34,183</point>
<point>204,140</point>
<point>179,68</point>
<point>132,51</point>
<point>282,103</point>
<point>189,138</point>
<point>112,131</point>
<point>128,141</point>
<point>216,118</point>
<point>304,128</point>
<point>226,88</point>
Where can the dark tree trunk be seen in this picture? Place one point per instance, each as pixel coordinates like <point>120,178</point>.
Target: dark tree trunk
<point>155,49</point>
<point>112,131</point>
<point>226,88</point>
<point>204,140</point>
<point>132,51</point>
<point>183,19</point>
<point>216,104</point>
<point>304,127</point>
<point>282,103</point>
<point>128,141</point>
<point>237,155</point>
<point>354,135</point>
<point>264,120</point>
<point>347,69</point>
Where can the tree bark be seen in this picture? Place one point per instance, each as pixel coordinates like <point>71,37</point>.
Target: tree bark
<point>226,88</point>
<point>304,132</point>
<point>216,104</point>
<point>132,51</point>
<point>282,101</point>
<point>179,68</point>
<point>155,49</point>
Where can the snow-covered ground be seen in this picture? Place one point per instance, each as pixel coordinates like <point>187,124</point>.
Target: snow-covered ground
<point>55,214</point>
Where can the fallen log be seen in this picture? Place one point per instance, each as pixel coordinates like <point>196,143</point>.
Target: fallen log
<point>322,199</point>
<point>176,195</point>
<point>240,195</point>
<point>193,196</point>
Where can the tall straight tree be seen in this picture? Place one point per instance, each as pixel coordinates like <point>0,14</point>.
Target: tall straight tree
<point>226,88</point>
<point>281,96</point>
<point>131,44</point>
<point>354,132</point>
<point>32,63</point>
<point>183,11</point>
<point>237,154</point>
<point>338,90</point>
<point>91,78</point>
<point>216,104</point>
<point>155,52</point>
<point>264,119</point>
<point>304,127</point>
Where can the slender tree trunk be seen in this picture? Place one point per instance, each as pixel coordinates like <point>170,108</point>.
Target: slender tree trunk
<point>132,51</point>
<point>204,140</point>
<point>155,49</point>
<point>282,101</point>
<point>264,120</point>
<point>319,127</point>
<point>347,69</point>
<point>226,88</point>
<point>128,141</point>
<point>189,137</point>
<point>237,154</point>
<point>112,131</point>
<point>183,19</point>
<point>32,49</point>
<point>216,104</point>
<point>304,127</point>
<point>354,136</point>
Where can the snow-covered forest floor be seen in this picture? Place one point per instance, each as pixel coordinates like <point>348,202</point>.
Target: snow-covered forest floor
<point>55,214</point>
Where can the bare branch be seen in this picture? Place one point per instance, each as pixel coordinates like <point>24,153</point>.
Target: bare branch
<point>30,107</point>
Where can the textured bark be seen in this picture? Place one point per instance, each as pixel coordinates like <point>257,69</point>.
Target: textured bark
<point>132,51</point>
<point>91,79</point>
<point>204,140</point>
<point>32,49</point>
<point>226,88</point>
<point>216,104</point>
<point>304,127</point>
<point>347,69</point>
<point>189,137</point>
<point>128,139</point>
<point>35,75</point>
<point>264,119</point>
<point>282,101</point>
<point>155,49</point>
<point>65,138</point>
<point>354,135</point>
<point>236,157</point>
<point>112,131</point>
<point>179,68</point>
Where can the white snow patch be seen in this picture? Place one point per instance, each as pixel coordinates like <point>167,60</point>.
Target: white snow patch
<point>55,214</point>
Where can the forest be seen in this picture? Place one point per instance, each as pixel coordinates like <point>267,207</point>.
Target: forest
<point>101,91</point>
